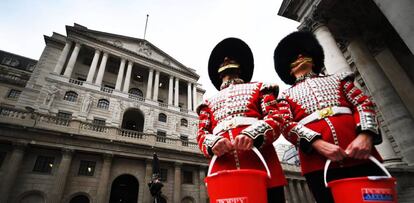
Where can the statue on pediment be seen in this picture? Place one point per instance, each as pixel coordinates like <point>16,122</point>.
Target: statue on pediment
<point>144,48</point>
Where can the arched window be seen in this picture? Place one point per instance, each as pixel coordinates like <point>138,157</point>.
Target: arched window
<point>103,104</point>
<point>184,122</point>
<point>136,92</point>
<point>162,117</point>
<point>70,96</point>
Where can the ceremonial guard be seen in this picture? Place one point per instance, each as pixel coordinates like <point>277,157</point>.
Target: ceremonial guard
<point>241,115</point>
<point>326,117</point>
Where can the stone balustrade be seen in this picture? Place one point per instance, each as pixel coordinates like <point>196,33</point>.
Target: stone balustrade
<point>28,119</point>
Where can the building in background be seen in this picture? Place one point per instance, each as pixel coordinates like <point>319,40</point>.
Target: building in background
<point>375,40</point>
<point>81,124</point>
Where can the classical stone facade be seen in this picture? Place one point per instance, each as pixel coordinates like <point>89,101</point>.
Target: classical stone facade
<point>374,39</point>
<point>81,124</point>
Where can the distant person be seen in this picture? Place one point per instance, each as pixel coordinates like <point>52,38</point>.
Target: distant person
<point>240,116</point>
<point>326,117</point>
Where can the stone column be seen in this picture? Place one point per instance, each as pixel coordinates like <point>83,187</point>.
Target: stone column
<point>170,90</point>
<point>156,85</point>
<point>202,175</point>
<point>101,70</point>
<point>195,96</point>
<point>148,175</point>
<point>120,75</point>
<point>399,14</point>
<point>92,68</point>
<point>395,114</point>
<point>61,175</point>
<point>62,58</point>
<point>176,91</point>
<point>335,61</point>
<point>177,182</point>
<point>104,185</point>
<point>128,77</point>
<point>149,85</point>
<point>10,172</point>
<point>189,105</point>
<point>398,77</point>
<point>72,61</point>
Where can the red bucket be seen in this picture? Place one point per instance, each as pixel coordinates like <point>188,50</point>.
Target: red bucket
<point>237,186</point>
<point>371,189</point>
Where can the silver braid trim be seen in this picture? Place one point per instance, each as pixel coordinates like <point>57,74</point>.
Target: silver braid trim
<point>368,121</point>
<point>211,139</point>
<point>304,132</point>
<point>257,129</point>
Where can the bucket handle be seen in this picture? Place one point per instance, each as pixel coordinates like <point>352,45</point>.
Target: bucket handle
<point>255,150</point>
<point>373,159</point>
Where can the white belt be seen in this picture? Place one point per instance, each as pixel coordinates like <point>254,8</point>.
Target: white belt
<point>233,123</point>
<point>323,113</point>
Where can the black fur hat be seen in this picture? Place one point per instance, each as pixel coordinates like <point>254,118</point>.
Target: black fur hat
<point>235,49</point>
<point>288,49</point>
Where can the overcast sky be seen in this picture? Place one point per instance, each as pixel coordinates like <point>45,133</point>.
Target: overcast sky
<point>185,29</point>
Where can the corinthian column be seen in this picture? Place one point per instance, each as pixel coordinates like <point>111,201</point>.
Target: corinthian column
<point>149,84</point>
<point>128,76</point>
<point>61,176</point>
<point>399,120</point>
<point>177,88</point>
<point>92,68</point>
<point>62,58</point>
<point>10,173</point>
<point>170,90</point>
<point>194,96</point>
<point>102,193</point>
<point>177,182</point>
<point>120,75</point>
<point>156,86</point>
<point>101,70</point>
<point>189,105</point>
<point>72,61</point>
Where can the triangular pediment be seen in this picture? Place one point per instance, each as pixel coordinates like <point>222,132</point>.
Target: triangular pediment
<point>138,46</point>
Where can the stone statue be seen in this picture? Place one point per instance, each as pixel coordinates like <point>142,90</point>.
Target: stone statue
<point>50,95</point>
<point>87,103</point>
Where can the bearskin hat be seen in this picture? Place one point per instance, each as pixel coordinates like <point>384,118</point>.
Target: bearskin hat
<point>289,48</point>
<point>235,49</point>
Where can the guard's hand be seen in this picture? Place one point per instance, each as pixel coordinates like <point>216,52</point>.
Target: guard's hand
<point>222,146</point>
<point>360,147</point>
<point>330,151</point>
<point>243,142</point>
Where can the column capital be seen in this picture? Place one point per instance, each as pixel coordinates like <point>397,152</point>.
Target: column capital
<point>67,151</point>
<point>107,156</point>
<point>178,164</point>
<point>315,19</point>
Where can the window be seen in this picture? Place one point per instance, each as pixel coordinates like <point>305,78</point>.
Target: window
<point>70,96</point>
<point>98,121</point>
<point>2,157</point>
<point>64,115</point>
<point>136,92</point>
<point>86,168</point>
<point>187,177</point>
<point>161,136</point>
<point>44,164</point>
<point>163,174</point>
<point>98,125</point>
<point>14,94</point>
<point>184,140</point>
<point>184,122</point>
<point>103,104</point>
<point>162,117</point>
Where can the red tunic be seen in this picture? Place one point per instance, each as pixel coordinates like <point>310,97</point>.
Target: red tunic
<point>248,108</point>
<point>352,113</point>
